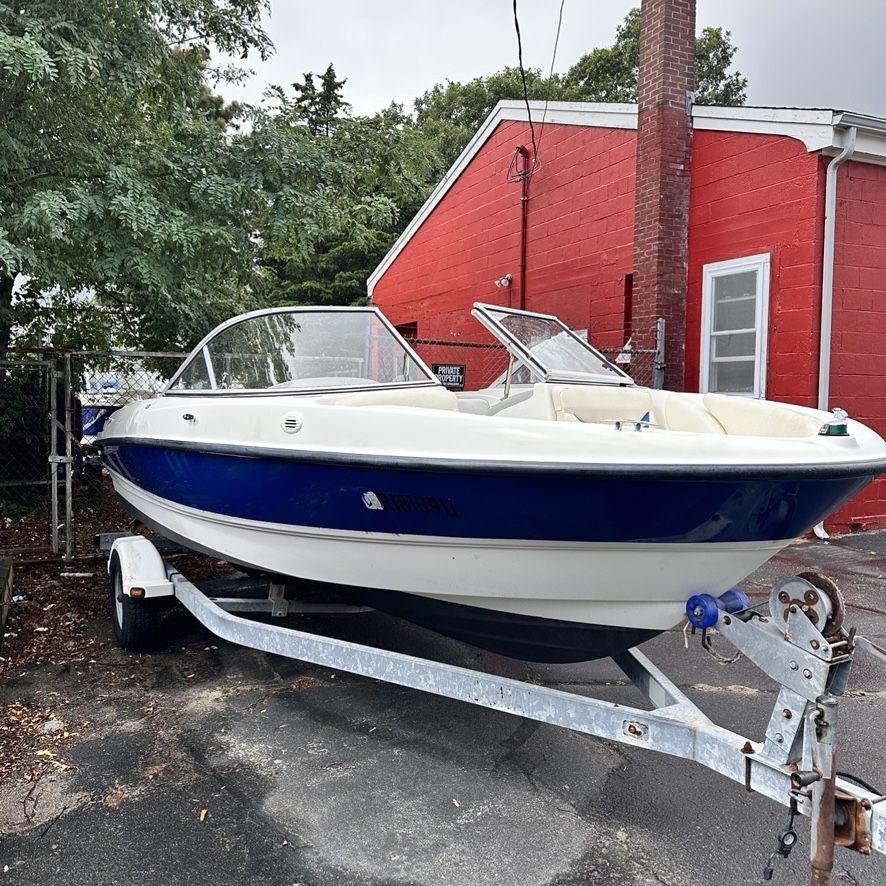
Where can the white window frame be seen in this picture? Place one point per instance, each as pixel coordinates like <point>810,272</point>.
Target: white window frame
<point>710,272</point>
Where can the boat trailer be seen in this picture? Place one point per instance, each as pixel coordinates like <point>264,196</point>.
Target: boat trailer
<point>800,643</point>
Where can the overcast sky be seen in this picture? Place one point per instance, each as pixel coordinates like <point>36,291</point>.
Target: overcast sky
<point>809,53</point>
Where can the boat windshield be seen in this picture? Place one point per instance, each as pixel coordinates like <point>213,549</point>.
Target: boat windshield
<point>547,347</point>
<point>305,349</point>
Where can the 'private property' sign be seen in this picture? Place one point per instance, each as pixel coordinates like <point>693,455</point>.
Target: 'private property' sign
<point>451,374</point>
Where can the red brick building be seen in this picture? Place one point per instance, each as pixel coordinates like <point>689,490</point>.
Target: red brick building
<point>759,251</point>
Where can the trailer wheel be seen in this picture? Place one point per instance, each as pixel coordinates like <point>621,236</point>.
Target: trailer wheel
<point>136,622</point>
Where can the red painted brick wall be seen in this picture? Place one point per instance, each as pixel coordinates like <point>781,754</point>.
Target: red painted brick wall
<point>858,349</point>
<point>750,194</point>
<point>753,194</point>
<point>580,233</point>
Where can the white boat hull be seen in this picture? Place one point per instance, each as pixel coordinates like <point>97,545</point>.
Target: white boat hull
<point>644,585</point>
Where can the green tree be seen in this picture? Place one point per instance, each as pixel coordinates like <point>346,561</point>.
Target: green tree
<point>136,207</point>
<point>611,74</point>
<point>107,133</point>
<point>714,52</point>
<point>330,102</point>
<point>318,108</point>
<point>387,167</point>
<point>451,113</point>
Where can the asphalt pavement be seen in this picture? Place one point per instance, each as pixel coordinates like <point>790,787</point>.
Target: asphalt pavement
<point>207,763</point>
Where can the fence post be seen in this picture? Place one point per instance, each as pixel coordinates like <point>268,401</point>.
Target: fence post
<point>53,451</point>
<point>658,360</point>
<point>69,463</point>
<point>5,595</point>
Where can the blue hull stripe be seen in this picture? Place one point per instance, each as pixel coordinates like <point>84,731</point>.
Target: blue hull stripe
<point>665,507</point>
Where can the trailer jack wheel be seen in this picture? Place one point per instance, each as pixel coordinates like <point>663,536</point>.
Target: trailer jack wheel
<point>136,622</point>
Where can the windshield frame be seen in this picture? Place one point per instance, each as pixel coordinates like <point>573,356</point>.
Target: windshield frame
<point>518,350</point>
<point>200,352</point>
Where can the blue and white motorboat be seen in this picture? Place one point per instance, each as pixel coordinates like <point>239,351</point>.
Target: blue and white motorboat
<point>564,518</point>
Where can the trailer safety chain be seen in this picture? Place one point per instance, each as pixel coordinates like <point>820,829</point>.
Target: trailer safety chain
<point>690,629</point>
<point>787,839</point>
<point>708,647</point>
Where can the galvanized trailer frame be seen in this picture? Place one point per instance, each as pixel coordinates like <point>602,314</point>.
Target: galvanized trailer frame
<point>794,764</point>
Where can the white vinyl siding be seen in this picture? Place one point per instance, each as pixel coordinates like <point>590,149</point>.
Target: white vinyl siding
<point>735,309</point>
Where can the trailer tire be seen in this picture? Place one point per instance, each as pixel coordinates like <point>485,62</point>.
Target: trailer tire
<point>136,622</point>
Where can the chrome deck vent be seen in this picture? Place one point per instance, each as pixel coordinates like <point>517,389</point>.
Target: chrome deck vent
<point>292,423</point>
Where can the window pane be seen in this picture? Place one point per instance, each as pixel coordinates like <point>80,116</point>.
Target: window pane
<point>551,345</point>
<point>740,344</point>
<point>735,301</point>
<point>303,350</point>
<point>733,378</point>
<point>196,374</point>
<point>734,294</point>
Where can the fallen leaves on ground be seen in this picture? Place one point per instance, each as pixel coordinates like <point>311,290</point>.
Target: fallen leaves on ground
<point>50,622</point>
<point>26,747</point>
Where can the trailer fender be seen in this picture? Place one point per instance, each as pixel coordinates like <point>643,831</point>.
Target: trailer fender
<point>141,567</point>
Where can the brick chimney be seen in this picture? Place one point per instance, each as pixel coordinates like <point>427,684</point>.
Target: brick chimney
<point>661,210</point>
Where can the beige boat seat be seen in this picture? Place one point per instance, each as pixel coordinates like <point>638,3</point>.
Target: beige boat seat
<point>480,404</point>
<point>601,404</point>
<point>665,409</point>
<point>757,418</point>
<point>422,398</point>
<point>677,412</point>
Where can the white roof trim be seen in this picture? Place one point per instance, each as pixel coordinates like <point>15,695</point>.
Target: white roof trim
<point>819,129</point>
<point>813,127</point>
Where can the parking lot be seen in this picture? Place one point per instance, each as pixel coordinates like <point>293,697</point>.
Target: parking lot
<point>209,763</point>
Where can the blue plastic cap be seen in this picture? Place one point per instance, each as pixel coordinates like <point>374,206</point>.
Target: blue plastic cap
<point>702,611</point>
<point>734,600</point>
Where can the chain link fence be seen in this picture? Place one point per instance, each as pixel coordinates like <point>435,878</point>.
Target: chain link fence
<point>27,384</point>
<point>53,404</point>
<point>644,365</point>
<point>101,383</point>
<point>476,363</point>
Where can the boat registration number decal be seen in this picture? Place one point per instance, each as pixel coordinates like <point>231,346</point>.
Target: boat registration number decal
<point>410,504</point>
